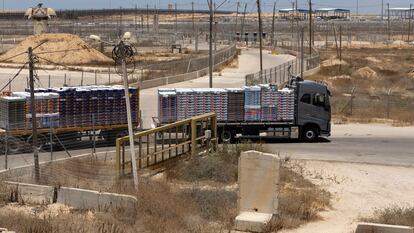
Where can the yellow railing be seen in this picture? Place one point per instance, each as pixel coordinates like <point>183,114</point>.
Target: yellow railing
<point>169,141</point>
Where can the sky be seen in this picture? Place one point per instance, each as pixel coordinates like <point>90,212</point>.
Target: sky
<point>364,6</point>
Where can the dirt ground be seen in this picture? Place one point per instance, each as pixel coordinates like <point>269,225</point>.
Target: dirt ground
<point>379,81</point>
<point>358,190</point>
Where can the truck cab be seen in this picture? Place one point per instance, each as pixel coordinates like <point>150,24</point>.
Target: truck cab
<point>313,109</point>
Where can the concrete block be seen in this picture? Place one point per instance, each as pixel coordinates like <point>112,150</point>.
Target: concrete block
<point>252,221</point>
<point>32,193</point>
<point>113,200</point>
<point>258,182</point>
<point>382,228</point>
<point>258,190</point>
<point>78,198</point>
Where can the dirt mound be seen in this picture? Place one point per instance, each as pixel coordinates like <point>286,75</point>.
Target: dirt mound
<point>373,59</point>
<point>399,42</point>
<point>62,49</point>
<point>333,62</point>
<point>367,73</point>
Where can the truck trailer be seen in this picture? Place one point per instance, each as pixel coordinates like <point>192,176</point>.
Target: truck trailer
<point>66,117</point>
<point>299,110</point>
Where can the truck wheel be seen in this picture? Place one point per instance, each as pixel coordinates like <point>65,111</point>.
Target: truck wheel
<point>310,134</point>
<point>227,136</point>
<point>14,145</point>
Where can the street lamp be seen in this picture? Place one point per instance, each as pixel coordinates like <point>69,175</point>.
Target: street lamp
<point>122,53</point>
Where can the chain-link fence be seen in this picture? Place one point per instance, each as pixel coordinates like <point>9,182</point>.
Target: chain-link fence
<point>283,72</point>
<point>382,105</point>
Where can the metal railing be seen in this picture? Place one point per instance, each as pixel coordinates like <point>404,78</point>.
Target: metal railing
<point>281,73</point>
<point>158,145</point>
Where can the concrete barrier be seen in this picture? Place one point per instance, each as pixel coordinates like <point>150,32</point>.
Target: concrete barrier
<point>89,199</point>
<point>78,198</point>
<point>32,193</point>
<point>113,200</point>
<point>258,190</point>
<point>382,228</point>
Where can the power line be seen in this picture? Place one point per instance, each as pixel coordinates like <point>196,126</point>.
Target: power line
<point>15,76</point>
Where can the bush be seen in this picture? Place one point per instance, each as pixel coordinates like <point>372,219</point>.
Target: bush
<point>221,166</point>
<point>394,215</point>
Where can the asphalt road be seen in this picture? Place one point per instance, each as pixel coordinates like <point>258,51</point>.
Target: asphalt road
<point>360,143</point>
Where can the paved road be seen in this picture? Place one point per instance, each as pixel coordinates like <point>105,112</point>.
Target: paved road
<point>362,143</point>
<point>249,62</point>
<point>365,143</point>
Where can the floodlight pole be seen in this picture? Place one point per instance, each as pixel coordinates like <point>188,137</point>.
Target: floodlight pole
<point>130,127</point>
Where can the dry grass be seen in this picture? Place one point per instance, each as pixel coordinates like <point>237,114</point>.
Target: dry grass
<point>393,215</point>
<point>193,206</point>
<point>300,200</point>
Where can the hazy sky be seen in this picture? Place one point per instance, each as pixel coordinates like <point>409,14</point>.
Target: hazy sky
<point>365,6</point>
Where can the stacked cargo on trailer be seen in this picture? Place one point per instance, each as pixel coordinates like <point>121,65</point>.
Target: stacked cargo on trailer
<point>72,113</point>
<point>301,109</point>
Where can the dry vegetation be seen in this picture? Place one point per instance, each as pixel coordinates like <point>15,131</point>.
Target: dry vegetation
<point>198,195</point>
<point>383,79</point>
<point>393,215</point>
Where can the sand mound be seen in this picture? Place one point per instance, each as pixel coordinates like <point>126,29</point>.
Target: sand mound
<point>333,62</point>
<point>399,42</point>
<point>367,73</point>
<point>62,49</point>
<point>373,59</point>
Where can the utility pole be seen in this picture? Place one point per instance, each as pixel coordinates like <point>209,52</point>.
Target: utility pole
<point>310,28</point>
<point>147,18</point>
<point>389,22</point>
<point>273,25</point>
<point>409,22</point>
<point>237,15</point>
<point>243,19</point>
<point>340,47</point>
<point>260,34</point>
<point>302,53</point>
<point>176,18</point>
<point>135,18</point>
<point>296,5</point>
<point>292,19</point>
<point>382,10</point>
<point>357,8</point>
<point>33,113</point>
<point>192,9</point>
<point>210,54</point>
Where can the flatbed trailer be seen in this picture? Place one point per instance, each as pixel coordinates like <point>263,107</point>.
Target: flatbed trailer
<point>311,117</point>
<point>20,139</point>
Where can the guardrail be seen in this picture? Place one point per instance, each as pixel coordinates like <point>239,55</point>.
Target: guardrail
<point>158,145</point>
<point>280,74</point>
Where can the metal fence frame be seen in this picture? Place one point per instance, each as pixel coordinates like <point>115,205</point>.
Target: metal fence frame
<point>169,141</point>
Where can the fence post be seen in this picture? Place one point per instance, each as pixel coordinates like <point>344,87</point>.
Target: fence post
<point>96,78</point>
<point>49,80</point>
<point>352,100</point>
<point>6,157</point>
<point>64,84</point>
<point>388,103</point>
<point>51,141</point>
<point>193,138</point>
<point>82,79</point>
<point>109,75</point>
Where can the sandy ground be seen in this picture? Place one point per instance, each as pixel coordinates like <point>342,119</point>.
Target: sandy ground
<point>357,189</point>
